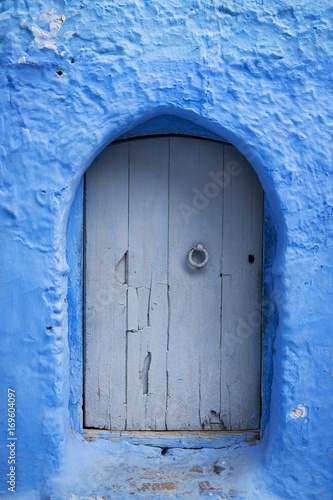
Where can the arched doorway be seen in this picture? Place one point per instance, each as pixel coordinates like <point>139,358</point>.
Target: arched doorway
<point>173,268</point>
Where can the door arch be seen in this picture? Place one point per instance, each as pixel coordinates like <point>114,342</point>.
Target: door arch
<point>169,346</point>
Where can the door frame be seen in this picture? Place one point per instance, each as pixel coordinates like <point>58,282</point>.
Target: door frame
<point>184,439</point>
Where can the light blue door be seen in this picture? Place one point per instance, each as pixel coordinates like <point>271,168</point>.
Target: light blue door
<point>173,262</point>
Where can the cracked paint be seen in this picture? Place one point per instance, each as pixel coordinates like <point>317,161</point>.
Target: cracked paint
<point>144,375</point>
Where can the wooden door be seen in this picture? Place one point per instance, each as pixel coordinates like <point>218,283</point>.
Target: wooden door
<point>171,344</point>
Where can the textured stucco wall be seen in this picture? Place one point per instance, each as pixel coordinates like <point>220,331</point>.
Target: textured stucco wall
<point>74,76</point>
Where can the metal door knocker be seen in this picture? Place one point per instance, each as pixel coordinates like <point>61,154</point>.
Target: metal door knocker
<point>198,256</point>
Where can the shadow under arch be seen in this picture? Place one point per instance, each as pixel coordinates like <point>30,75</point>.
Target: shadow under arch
<point>165,124</point>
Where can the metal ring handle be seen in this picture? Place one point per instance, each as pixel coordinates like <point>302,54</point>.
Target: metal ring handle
<point>198,248</point>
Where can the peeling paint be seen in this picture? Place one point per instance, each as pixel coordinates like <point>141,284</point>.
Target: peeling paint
<point>48,39</point>
<point>68,34</point>
<point>144,375</point>
<point>300,411</point>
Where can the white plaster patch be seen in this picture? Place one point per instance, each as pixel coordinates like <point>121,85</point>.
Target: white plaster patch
<point>300,411</point>
<point>23,60</point>
<point>68,34</point>
<point>48,39</point>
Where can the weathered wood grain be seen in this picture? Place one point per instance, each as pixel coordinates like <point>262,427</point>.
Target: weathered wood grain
<point>169,346</point>
<point>106,210</point>
<point>147,276</point>
<point>195,293</point>
<point>241,294</point>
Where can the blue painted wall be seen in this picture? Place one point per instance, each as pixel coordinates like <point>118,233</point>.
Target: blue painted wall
<point>74,77</point>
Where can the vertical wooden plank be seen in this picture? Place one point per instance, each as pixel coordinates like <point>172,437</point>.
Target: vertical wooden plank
<point>147,275</point>
<point>241,295</point>
<point>195,216</point>
<point>106,235</point>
